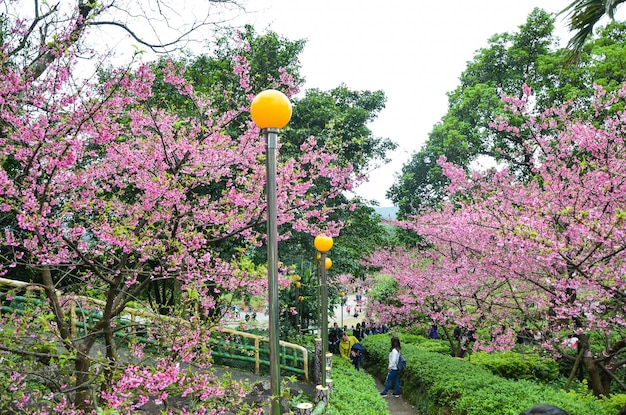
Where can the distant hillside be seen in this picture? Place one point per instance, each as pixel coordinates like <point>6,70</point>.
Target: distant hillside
<point>387,212</point>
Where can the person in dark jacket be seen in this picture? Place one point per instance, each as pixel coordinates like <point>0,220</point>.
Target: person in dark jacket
<point>357,355</point>
<point>358,332</point>
<point>544,409</point>
<point>334,337</point>
<point>433,333</point>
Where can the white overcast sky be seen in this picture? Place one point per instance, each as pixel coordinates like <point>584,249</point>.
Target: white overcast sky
<point>413,50</point>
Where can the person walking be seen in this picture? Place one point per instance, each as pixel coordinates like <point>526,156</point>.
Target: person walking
<point>393,374</point>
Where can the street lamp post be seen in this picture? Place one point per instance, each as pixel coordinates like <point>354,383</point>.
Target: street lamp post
<point>323,244</point>
<point>271,111</point>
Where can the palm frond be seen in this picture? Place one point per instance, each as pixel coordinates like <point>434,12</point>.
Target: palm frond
<point>583,15</point>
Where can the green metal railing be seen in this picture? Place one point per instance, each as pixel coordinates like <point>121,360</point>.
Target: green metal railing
<point>226,343</point>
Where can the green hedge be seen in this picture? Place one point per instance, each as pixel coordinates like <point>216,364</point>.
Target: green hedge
<point>512,365</point>
<point>438,384</point>
<point>434,346</point>
<point>354,392</point>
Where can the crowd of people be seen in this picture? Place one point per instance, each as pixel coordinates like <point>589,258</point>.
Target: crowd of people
<point>348,345</point>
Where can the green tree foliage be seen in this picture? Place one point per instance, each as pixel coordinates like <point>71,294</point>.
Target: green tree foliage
<point>300,304</point>
<point>338,119</point>
<point>361,236</point>
<point>530,57</point>
<point>270,57</point>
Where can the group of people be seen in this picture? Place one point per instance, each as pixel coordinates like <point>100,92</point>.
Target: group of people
<point>347,346</point>
<point>350,348</point>
<point>359,332</point>
<point>463,335</point>
<point>357,310</point>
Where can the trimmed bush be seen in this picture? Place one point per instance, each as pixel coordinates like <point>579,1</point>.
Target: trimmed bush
<point>354,392</point>
<point>517,366</point>
<point>438,384</point>
<point>435,346</point>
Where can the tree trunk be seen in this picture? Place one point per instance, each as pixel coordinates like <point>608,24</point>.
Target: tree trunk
<point>329,384</point>
<point>598,382</point>
<point>321,394</point>
<point>304,408</point>
<point>595,377</point>
<point>111,355</point>
<point>329,364</point>
<point>317,373</point>
<point>83,399</point>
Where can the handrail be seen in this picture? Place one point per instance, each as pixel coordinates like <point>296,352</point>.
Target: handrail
<point>133,313</point>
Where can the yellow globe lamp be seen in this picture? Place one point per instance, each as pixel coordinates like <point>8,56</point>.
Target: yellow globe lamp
<point>328,263</point>
<point>342,294</point>
<point>270,109</point>
<point>298,285</point>
<point>323,243</point>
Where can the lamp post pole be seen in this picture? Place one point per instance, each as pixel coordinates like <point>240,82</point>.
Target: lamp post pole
<point>324,309</point>
<point>323,244</point>
<point>271,111</point>
<point>272,268</point>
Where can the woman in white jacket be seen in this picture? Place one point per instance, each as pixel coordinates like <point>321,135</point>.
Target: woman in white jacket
<point>392,370</point>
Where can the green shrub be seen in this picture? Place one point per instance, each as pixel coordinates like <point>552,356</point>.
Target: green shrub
<point>436,346</point>
<point>615,402</point>
<point>517,366</point>
<point>354,392</point>
<point>416,330</point>
<point>438,384</point>
<point>407,338</point>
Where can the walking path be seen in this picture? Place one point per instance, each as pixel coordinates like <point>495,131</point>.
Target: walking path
<point>397,406</point>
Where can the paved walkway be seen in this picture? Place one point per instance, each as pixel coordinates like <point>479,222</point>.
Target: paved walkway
<point>397,406</point>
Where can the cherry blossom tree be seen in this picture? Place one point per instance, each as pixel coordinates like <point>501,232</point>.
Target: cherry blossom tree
<point>101,191</point>
<point>545,254</point>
